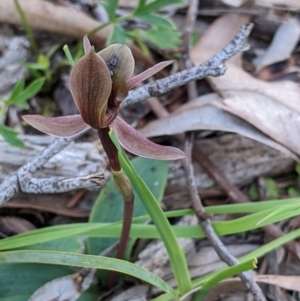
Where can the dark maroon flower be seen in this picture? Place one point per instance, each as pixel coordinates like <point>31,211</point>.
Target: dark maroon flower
<point>99,82</point>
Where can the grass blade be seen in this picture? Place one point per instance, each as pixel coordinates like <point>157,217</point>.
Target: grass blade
<point>176,255</point>
<point>223,274</point>
<point>87,261</point>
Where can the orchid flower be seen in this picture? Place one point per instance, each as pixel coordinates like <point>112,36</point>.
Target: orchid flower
<point>99,82</point>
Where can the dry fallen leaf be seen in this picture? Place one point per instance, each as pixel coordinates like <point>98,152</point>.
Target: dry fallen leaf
<point>234,285</point>
<point>64,288</point>
<point>271,107</point>
<point>283,4</point>
<point>11,225</point>
<point>197,115</point>
<point>43,15</point>
<point>284,42</point>
<point>56,204</point>
<point>272,118</point>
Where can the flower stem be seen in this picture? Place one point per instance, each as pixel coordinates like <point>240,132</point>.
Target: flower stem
<point>110,149</point>
<point>127,218</point>
<point>124,187</point>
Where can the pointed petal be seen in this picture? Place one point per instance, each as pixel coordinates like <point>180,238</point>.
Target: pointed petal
<point>66,126</point>
<point>86,45</point>
<point>137,144</point>
<point>147,73</point>
<point>90,85</point>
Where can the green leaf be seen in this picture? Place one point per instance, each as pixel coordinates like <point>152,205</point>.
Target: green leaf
<point>110,7</point>
<point>68,244</point>
<point>162,37</point>
<point>69,55</point>
<point>253,192</point>
<point>259,252</point>
<point>239,225</point>
<point>16,91</point>
<point>18,281</point>
<point>31,90</point>
<point>109,204</point>
<point>117,35</point>
<point>176,254</point>
<point>223,274</point>
<point>10,136</point>
<point>87,261</point>
<point>140,6</point>
<point>272,190</point>
<point>43,61</point>
<point>157,21</point>
<point>154,6</point>
<point>293,192</point>
<point>297,168</point>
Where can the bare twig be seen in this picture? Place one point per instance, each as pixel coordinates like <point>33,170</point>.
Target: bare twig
<point>213,67</point>
<point>208,229</point>
<point>188,28</point>
<point>30,184</point>
<point>217,244</point>
<point>12,184</point>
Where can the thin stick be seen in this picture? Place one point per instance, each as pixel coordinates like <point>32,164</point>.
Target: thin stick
<point>217,244</point>
<point>188,28</point>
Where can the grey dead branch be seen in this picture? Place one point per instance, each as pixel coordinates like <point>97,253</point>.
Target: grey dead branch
<point>80,158</point>
<point>241,160</point>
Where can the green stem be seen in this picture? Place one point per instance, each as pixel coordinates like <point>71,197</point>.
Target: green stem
<point>118,20</point>
<point>3,108</point>
<point>27,27</point>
